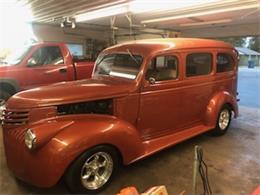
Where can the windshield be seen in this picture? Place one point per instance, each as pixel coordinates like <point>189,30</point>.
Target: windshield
<point>18,56</point>
<point>119,65</point>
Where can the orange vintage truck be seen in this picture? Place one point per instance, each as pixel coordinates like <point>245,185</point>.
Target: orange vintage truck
<point>144,96</point>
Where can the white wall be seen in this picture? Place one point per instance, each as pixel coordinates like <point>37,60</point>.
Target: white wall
<point>57,34</point>
<point>223,31</point>
<point>79,35</point>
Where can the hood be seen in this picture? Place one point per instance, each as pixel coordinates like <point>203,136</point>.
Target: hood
<point>71,92</point>
<point>3,67</point>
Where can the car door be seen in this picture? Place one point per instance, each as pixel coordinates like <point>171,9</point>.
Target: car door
<point>198,86</point>
<point>160,99</point>
<point>46,66</point>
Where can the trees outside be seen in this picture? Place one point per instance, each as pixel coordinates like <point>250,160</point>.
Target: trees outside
<point>249,42</point>
<point>254,43</point>
<point>235,41</point>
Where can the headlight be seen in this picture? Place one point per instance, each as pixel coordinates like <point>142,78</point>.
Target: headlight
<point>30,139</point>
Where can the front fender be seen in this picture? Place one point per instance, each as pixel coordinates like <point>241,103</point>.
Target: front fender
<point>216,103</point>
<point>74,134</point>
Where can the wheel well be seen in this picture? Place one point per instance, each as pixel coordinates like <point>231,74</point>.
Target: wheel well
<point>8,88</point>
<point>230,106</point>
<point>120,157</point>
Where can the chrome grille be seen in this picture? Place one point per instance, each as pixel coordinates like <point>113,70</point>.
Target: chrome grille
<point>17,134</point>
<point>15,117</point>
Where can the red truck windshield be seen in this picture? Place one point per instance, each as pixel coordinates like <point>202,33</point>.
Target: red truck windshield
<point>119,65</point>
<point>18,56</point>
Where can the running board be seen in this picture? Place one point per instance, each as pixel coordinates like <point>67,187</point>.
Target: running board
<point>157,144</point>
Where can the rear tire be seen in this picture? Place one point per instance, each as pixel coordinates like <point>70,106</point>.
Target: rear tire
<point>223,121</point>
<point>91,172</point>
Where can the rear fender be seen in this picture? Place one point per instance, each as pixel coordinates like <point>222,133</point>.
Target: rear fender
<point>216,103</point>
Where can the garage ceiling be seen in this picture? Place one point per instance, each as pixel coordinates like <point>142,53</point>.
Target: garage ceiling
<point>176,18</point>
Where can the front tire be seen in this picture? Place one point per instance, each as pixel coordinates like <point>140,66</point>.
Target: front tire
<point>93,170</point>
<point>223,122</point>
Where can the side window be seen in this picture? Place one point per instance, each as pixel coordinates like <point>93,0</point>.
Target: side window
<point>198,64</point>
<point>225,62</point>
<point>46,55</point>
<point>163,68</point>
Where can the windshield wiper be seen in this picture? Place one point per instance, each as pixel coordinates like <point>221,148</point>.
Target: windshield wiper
<point>132,56</point>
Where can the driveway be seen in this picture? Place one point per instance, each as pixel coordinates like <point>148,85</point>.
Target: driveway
<point>249,87</point>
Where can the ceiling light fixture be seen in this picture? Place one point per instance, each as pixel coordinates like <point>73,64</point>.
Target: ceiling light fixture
<point>207,22</point>
<point>142,6</point>
<point>104,12</point>
<point>256,5</point>
<point>139,6</point>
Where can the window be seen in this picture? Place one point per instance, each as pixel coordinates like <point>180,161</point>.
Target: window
<point>18,56</point>
<point>46,55</point>
<point>119,65</point>
<point>225,62</point>
<point>198,64</point>
<point>75,49</point>
<point>162,68</point>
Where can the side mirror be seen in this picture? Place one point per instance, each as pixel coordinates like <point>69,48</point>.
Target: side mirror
<point>152,80</point>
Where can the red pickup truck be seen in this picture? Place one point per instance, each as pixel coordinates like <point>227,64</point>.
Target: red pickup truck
<point>41,64</point>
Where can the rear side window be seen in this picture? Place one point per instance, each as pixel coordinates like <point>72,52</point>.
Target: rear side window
<point>225,62</point>
<point>198,64</point>
<point>162,68</point>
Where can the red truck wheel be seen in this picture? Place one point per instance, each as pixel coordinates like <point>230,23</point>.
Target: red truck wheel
<point>4,96</point>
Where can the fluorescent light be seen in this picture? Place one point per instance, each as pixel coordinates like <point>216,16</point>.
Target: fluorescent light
<point>104,12</point>
<point>142,6</point>
<point>206,22</point>
<point>256,5</point>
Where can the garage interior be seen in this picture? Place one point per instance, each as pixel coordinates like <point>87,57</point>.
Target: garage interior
<point>233,160</point>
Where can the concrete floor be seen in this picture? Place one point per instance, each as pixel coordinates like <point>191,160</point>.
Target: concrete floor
<point>233,159</point>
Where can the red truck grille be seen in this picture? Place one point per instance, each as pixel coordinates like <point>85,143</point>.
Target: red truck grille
<point>15,117</point>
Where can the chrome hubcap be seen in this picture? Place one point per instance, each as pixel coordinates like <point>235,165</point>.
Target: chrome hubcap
<point>96,171</point>
<point>224,118</point>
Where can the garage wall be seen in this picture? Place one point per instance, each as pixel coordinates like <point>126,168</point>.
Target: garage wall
<point>223,31</point>
<point>57,34</point>
<point>121,39</point>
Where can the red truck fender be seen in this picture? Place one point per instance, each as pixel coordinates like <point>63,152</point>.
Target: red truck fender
<point>216,103</point>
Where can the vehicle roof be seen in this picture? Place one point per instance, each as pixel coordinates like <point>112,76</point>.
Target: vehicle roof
<point>156,45</point>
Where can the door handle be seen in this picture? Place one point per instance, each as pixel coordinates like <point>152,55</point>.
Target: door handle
<point>63,70</point>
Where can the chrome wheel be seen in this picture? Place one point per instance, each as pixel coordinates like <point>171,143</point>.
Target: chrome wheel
<point>224,119</point>
<point>96,170</point>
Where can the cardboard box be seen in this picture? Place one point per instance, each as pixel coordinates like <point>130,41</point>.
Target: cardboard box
<point>156,190</point>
